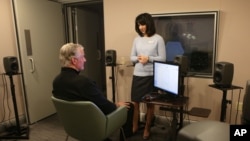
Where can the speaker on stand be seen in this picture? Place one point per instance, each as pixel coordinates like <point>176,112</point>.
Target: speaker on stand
<point>10,65</point>
<point>110,60</point>
<point>223,74</point>
<point>183,62</point>
<point>17,132</point>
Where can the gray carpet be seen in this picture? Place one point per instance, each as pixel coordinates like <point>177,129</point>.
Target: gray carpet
<point>50,129</point>
<point>159,132</point>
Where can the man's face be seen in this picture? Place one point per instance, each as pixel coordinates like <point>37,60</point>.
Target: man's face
<point>80,59</point>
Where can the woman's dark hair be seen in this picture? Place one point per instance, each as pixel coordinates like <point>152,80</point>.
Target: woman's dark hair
<point>145,19</point>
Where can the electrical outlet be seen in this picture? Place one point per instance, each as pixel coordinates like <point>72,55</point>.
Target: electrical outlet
<point>239,106</point>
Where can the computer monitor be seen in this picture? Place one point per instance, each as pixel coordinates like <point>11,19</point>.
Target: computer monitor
<point>166,77</point>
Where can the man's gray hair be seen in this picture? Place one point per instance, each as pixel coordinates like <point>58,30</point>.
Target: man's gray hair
<point>68,51</point>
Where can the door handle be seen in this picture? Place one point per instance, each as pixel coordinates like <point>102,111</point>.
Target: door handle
<point>32,65</point>
<point>99,55</point>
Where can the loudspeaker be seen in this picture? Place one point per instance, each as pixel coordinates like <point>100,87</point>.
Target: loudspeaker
<point>183,62</point>
<point>110,58</point>
<point>10,65</point>
<point>223,74</point>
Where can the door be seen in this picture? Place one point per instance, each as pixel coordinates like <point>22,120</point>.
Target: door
<point>87,23</point>
<point>40,34</point>
<point>90,34</point>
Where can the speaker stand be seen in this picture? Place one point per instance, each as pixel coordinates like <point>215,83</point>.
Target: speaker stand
<point>112,77</point>
<point>224,100</point>
<point>113,82</point>
<point>182,85</point>
<point>16,132</point>
<point>182,90</point>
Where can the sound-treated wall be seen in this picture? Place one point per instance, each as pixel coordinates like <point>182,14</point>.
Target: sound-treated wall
<point>184,34</point>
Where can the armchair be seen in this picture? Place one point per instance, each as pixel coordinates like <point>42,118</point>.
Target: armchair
<point>83,120</point>
<point>207,130</point>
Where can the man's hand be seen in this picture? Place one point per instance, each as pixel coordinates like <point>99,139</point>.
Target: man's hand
<point>118,104</point>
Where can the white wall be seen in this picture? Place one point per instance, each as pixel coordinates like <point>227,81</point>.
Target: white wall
<point>8,48</point>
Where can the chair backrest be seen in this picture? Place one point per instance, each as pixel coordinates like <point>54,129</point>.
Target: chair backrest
<point>82,120</point>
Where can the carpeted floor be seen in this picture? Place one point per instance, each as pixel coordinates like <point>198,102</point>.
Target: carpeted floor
<point>50,129</point>
<point>159,132</point>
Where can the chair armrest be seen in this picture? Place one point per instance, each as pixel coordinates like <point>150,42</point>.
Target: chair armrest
<point>116,119</point>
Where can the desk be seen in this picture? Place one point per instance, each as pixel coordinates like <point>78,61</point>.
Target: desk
<point>175,106</point>
<point>224,100</point>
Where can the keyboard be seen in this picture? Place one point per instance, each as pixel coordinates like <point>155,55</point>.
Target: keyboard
<point>169,98</point>
<point>162,97</point>
<point>151,96</point>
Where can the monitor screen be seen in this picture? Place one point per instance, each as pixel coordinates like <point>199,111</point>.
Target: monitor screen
<point>166,77</point>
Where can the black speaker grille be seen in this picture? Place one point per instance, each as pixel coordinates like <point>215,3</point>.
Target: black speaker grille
<point>217,77</point>
<point>110,58</point>
<point>10,65</point>
<point>223,74</point>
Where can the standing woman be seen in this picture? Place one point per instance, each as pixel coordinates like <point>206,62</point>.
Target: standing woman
<point>147,48</point>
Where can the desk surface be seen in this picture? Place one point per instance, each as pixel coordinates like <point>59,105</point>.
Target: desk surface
<point>173,103</point>
<point>225,88</point>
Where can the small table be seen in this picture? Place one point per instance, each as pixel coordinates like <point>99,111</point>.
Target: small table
<point>175,106</point>
<point>224,100</point>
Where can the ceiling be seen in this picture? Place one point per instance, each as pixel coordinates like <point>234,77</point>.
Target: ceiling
<point>73,1</point>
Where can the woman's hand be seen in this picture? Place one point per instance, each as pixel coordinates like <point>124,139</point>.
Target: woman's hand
<point>143,59</point>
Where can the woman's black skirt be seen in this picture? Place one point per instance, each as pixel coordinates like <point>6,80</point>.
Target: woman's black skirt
<point>141,85</point>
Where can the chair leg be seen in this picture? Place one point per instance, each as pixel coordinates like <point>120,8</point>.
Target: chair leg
<point>67,137</point>
<point>122,135</point>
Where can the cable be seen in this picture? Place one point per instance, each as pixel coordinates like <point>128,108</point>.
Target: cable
<point>231,106</point>
<point>8,105</point>
<point>3,99</point>
<point>187,86</point>
<point>236,116</point>
<point>6,98</point>
<point>186,105</point>
<point>167,117</point>
<point>116,83</point>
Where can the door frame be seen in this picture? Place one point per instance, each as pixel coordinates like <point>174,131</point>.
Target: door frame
<point>72,30</point>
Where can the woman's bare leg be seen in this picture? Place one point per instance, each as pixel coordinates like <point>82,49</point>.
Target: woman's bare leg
<point>136,116</point>
<point>150,114</point>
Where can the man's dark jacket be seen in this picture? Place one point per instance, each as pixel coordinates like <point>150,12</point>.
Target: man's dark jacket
<point>70,85</point>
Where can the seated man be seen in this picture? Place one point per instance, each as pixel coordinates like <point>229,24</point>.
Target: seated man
<point>70,85</point>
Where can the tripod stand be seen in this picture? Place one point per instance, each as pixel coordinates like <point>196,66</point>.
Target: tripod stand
<point>113,81</point>
<point>16,132</point>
